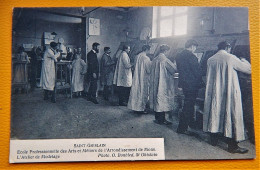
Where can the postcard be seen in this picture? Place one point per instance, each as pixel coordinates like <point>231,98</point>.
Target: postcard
<point>131,83</point>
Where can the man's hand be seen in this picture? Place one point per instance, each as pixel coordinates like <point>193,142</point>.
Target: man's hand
<point>180,89</point>
<point>94,75</point>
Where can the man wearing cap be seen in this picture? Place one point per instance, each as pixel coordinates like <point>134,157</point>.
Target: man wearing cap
<point>162,93</point>
<point>223,113</point>
<point>107,72</point>
<point>93,72</point>
<point>47,81</point>
<point>190,81</point>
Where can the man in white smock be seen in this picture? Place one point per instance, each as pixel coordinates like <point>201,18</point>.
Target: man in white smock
<point>162,93</point>
<point>223,113</point>
<point>139,90</point>
<point>47,81</point>
<point>123,76</point>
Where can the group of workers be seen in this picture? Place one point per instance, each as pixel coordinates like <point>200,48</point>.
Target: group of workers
<point>153,82</point>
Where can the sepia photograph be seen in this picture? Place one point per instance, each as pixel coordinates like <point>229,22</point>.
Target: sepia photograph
<point>131,83</point>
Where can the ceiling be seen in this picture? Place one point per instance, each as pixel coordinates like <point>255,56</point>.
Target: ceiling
<point>81,11</point>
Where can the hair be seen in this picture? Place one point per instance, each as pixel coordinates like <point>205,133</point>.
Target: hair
<point>223,45</point>
<point>146,47</point>
<point>21,49</point>
<point>125,47</point>
<point>53,44</point>
<point>95,44</point>
<point>190,43</point>
<point>69,49</point>
<point>164,47</point>
<point>106,48</point>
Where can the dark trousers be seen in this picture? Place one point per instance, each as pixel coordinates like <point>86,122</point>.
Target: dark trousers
<point>46,95</point>
<point>92,88</point>
<point>123,94</point>
<point>33,75</point>
<point>106,91</point>
<point>160,116</point>
<point>187,115</point>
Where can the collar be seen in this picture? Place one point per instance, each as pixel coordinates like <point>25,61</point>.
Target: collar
<point>162,54</point>
<point>94,51</point>
<point>189,51</point>
<point>222,51</point>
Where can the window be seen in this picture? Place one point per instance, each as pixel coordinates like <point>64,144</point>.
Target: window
<point>169,21</point>
<point>165,27</point>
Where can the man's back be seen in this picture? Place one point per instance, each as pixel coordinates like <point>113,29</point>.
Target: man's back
<point>219,58</point>
<point>223,105</point>
<point>162,84</point>
<point>123,73</point>
<point>93,66</point>
<point>224,59</point>
<point>190,75</point>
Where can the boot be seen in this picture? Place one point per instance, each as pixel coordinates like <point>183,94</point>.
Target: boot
<point>94,100</point>
<point>234,148</point>
<point>46,96</point>
<point>214,139</point>
<point>238,150</point>
<point>53,97</point>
